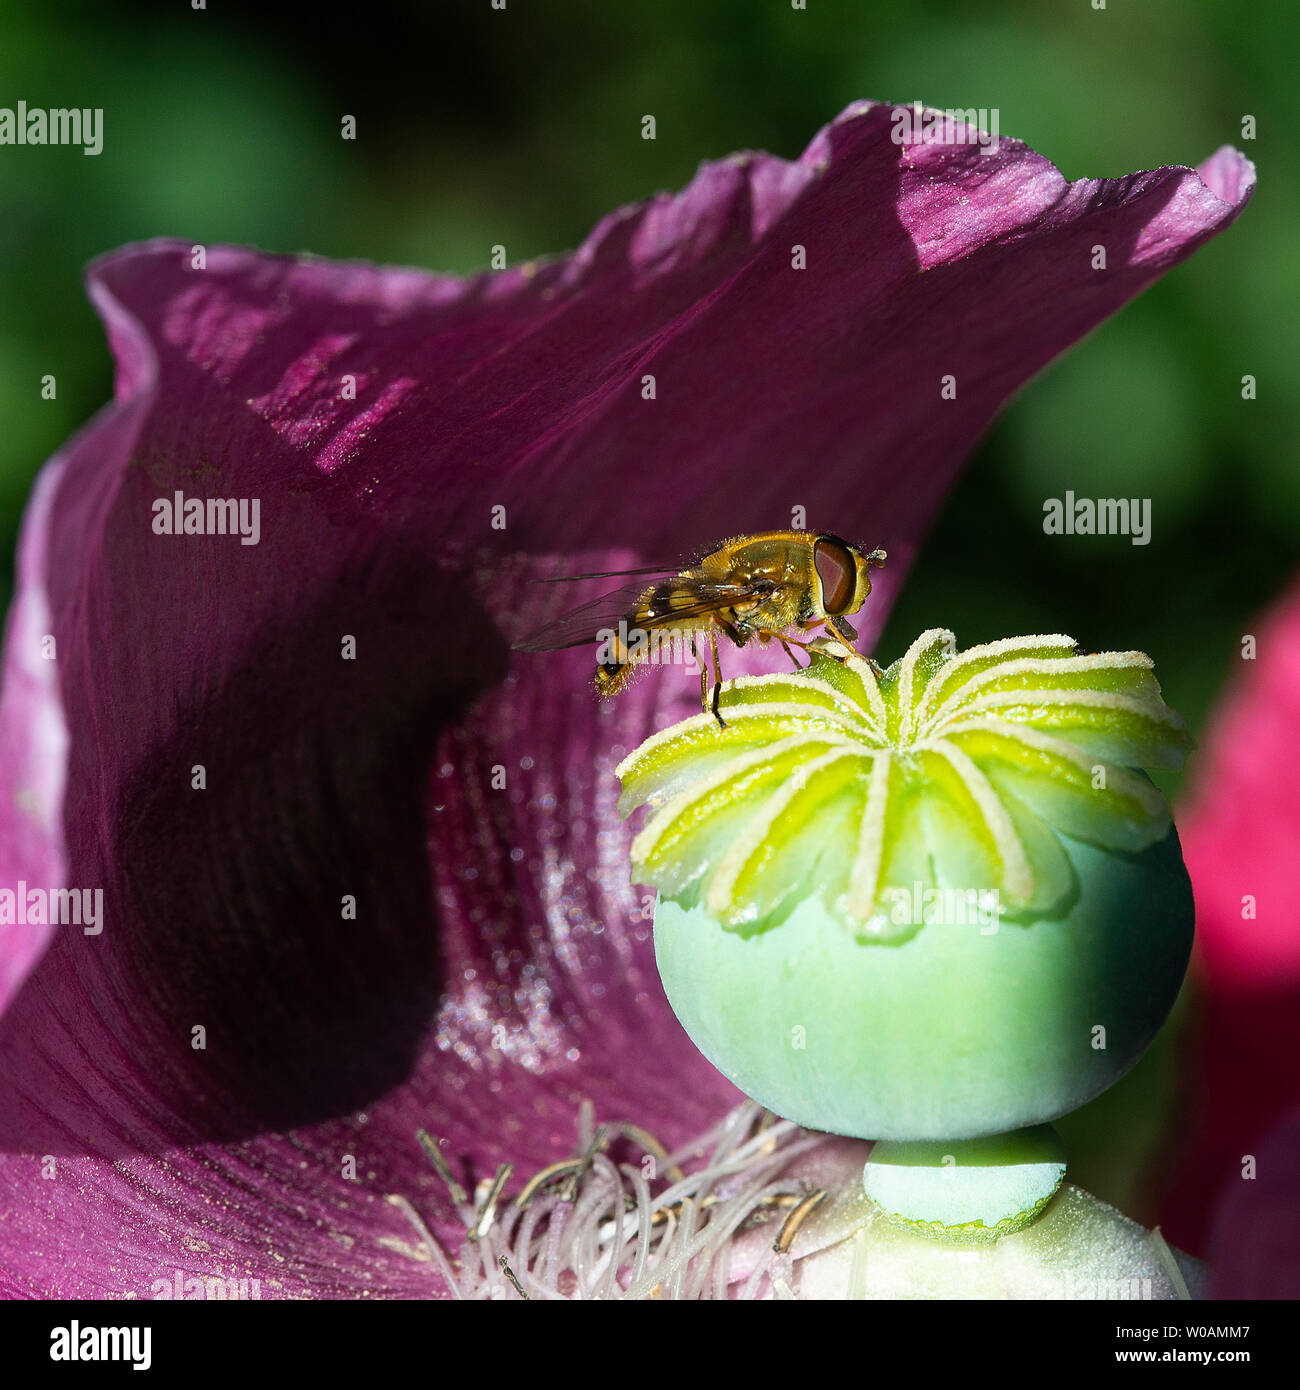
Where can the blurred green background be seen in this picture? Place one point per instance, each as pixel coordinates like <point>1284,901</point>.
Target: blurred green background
<point>478,127</point>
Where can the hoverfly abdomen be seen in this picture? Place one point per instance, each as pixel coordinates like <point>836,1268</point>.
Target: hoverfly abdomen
<point>611,677</point>
<point>615,658</point>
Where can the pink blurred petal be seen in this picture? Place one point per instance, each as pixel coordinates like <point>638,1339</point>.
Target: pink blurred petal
<point>1239,832</point>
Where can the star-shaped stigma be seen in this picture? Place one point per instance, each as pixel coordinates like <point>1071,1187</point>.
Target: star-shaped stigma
<point>966,772</point>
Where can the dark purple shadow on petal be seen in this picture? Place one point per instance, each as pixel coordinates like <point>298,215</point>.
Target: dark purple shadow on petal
<point>235,901</point>
<point>1255,1248</point>
<point>522,390</point>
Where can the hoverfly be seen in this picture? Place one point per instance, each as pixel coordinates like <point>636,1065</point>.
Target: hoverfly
<point>760,586</point>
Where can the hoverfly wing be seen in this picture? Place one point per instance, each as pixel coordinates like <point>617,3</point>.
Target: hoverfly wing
<point>578,626</point>
<point>660,570</point>
<point>691,598</point>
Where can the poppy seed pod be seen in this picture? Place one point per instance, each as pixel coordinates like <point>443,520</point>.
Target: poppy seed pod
<point>935,902</point>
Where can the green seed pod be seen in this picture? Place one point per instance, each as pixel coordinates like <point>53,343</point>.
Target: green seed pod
<point>935,902</point>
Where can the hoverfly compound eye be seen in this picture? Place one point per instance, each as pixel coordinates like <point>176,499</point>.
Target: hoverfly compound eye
<point>837,572</point>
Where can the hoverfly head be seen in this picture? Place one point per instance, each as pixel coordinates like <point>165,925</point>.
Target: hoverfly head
<point>844,574</point>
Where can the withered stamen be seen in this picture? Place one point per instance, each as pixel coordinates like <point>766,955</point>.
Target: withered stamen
<point>510,1274</point>
<point>441,1167</point>
<point>569,1191</point>
<point>489,1209</point>
<point>643,1139</point>
<point>790,1226</point>
<point>568,1234</point>
<point>543,1176</point>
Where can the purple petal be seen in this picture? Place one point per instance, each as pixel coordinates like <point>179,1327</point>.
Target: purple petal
<point>500,966</point>
<point>33,744</point>
<point>1255,1250</point>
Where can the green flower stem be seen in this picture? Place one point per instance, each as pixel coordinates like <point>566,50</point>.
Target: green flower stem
<point>972,1191</point>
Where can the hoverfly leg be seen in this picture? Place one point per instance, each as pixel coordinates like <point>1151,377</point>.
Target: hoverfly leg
<point>792,641</point>
<point>717,676</point>
<point>704,676</point>
<point>793,659</point>
<point>845,632</point>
